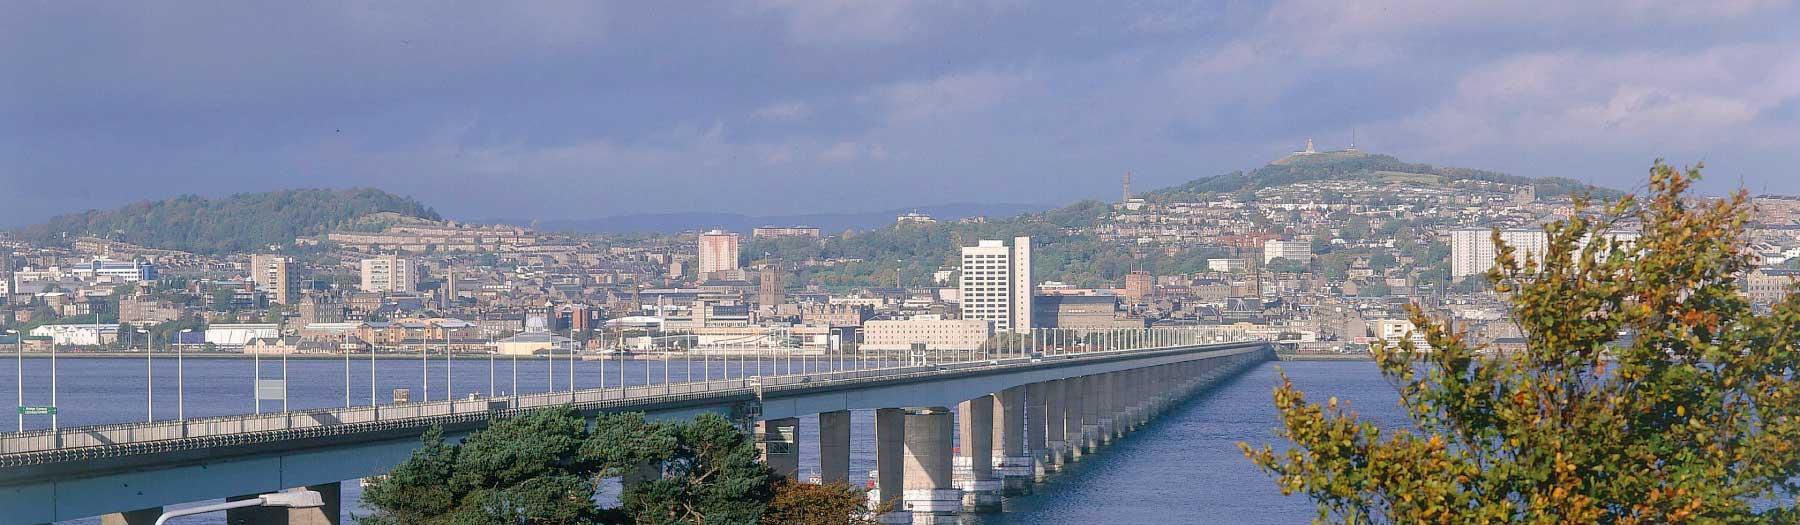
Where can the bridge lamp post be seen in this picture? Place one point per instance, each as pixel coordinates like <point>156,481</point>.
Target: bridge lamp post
<point>149,379</point>
<point>292,500</point>
<point>181,384</point>
<point>19,360</point>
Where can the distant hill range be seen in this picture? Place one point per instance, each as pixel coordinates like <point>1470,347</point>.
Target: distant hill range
<point>1359,165</point>
<point>827,222</point>
<point>239,223</point>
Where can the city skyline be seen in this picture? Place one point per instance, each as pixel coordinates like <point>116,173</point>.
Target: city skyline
<point>592,110</point>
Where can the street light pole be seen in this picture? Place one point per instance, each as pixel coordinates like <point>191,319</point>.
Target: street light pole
<point>19,351</point>
<point>149,381</point>
<point>181,384</point>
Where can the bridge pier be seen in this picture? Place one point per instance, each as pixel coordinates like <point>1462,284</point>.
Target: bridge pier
<point>930,494</point>
<point>331,493</point>
<point>776,439</point>
<point>1102,388</point>
<point>1036,442</point>
<point>834,447</point>
<point>1056,433</point>
<point>136,517</point>
<point>1090,415</point>
<point>890,473</point>
<point>973,471</point>
<point>1012,464</point>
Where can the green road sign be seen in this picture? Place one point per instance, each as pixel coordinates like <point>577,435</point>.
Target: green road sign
<point>37,411</point>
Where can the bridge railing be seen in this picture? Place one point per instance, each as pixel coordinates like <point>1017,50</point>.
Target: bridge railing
<point>425,413</point>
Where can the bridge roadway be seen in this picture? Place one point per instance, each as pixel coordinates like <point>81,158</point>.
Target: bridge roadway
<point>1077,401</point>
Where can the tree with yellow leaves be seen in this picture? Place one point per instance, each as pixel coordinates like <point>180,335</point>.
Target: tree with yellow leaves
<point>1648,391</point>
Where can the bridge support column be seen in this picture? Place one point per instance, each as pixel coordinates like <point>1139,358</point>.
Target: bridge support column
<point>1036,428</point>
<point>333,495</point>
<point>890,472</point>
<point>330,493</point>
<point>930,493</point>
<point>1102,387</point>
<point>136,517</point>
<point>776,440</point>
<point>1090,414</point>
<point>1056,430</point>
<point>1011,461</point>
<point>834,447</point>
<point>973,471</point>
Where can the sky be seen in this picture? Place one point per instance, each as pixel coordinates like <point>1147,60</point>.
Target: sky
<point>570,110</point>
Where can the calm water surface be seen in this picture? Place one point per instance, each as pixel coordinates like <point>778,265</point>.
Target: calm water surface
<point>1182,468</point>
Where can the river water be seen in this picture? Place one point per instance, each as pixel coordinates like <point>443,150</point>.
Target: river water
<point>1182,468</point>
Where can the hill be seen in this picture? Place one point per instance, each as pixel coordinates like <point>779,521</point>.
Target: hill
<point>829,222</point>
<point>1359,165</point>
<point>239,223</point>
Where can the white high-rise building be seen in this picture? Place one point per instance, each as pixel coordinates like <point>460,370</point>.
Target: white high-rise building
<point>390,274</point>
<point>996,283</point>
<point>718,252</point>
<point>1472,251</point>
<point>1297,251</point>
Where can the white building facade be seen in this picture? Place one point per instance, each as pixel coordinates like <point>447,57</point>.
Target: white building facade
<point>1472,251</point>
<point>1297,251</point>
<point>718,252</point>
<point>390,274</point>
<point>933,334</point>
<point>997,283</point>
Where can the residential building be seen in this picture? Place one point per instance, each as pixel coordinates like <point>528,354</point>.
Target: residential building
<point>1227,265</point>
<point>914,218</point>
<point>105,271</point>
<point>1767,286</point>
<point>777,232</point>
<point>1296,251</point>
<point>953,334</point>
<point>718,252</point>
<point>276,276</point>
<point>390,274</point>
<point>996,283</point>
<point>1472,251</point>
<point>144,309</point>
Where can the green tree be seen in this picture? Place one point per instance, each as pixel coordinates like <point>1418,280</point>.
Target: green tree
<point>1694,418</point>
<point>544,467</point>
<point>829,504</point>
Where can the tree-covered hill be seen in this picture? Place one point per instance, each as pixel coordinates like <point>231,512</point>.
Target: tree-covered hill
<point>238,223</point>
<point>1357,165</point>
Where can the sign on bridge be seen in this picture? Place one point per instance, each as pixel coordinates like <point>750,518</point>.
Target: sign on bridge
<point>37,411</point>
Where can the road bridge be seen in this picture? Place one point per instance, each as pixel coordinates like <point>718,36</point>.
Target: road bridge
<point>1022,415</point>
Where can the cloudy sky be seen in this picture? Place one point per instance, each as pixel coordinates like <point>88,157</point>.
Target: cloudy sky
<point>583,109</point>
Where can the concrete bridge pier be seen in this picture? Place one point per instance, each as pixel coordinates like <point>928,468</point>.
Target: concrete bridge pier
<point>930,493</point>
<point>1090,415</point>
<point>834,447</point>
<point>973,471</point>
<point>1012,463</point>
<point>330,493</point>
<point>890,472</point>
<point>775,438</point>
<point>1101,386</point>
<point>137,517</point>
<point>1036,432</point>
<point>1056,433</point>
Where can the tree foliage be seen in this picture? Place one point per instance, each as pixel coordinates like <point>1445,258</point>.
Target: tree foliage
<point>1691,417</point>
<point>828,504</point>
<point>245,222</point>
<point>545,467</point>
